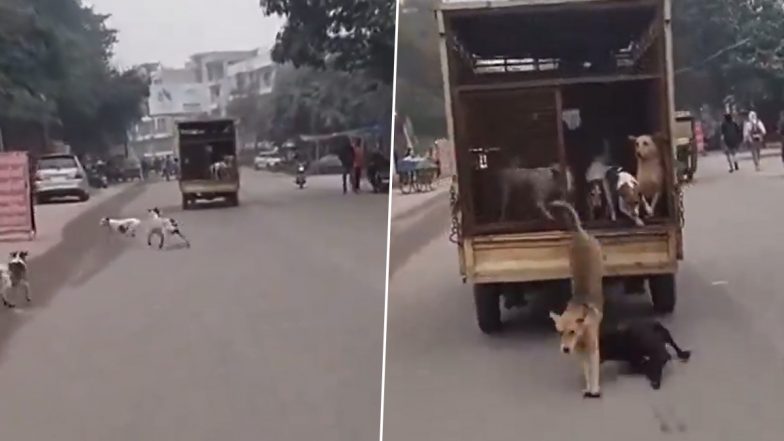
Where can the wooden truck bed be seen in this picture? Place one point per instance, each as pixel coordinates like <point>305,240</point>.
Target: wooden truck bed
<point>544,256</point>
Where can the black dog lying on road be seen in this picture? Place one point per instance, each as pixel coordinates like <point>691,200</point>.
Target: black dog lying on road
<point>643,345</point>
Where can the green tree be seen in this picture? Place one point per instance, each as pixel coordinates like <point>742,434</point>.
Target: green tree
<point>55,74</point>
<point>420,92</point>
<point>729,47</point>
<point>313,101</point>
<point>347,35</point>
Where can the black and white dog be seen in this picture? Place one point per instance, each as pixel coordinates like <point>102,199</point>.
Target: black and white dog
<point>126,227</point>
<point>643,345</point>
<point>163,227</point>
<point>13,277</point>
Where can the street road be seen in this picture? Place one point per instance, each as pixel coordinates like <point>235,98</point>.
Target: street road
<point>269,328</point>
<point>446,381</point>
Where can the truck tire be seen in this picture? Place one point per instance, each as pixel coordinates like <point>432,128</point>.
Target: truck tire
<point>186,202</point>
<point>487,299</point>
<point>233,199</point>
<point>663,293</point>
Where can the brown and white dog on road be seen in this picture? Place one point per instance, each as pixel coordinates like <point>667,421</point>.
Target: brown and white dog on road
<point>650,171</point>
<point>579,324</point>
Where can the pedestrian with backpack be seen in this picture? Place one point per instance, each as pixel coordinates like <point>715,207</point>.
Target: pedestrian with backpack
<point>754,135</point>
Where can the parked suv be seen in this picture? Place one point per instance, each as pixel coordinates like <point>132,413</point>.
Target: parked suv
<point>60,176</point>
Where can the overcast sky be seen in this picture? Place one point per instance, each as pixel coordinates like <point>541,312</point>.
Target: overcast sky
<point>170,31</point>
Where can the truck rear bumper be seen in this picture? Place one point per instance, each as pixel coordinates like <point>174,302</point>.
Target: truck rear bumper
<point>207,187</point>
<point>545,256</point>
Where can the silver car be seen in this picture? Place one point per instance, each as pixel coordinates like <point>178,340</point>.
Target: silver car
<point>60,176</point>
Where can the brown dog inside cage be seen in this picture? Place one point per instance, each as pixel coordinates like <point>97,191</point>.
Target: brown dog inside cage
<point>599,122</point>
<point>515,166</point>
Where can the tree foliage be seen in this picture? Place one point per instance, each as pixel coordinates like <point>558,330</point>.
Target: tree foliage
<point>55,71</point>
<point>728,47</point>
<point>346,35</point>
<point>311,101</point>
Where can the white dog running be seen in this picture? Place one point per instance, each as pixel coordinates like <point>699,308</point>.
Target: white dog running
<point>163,227</point>
<point>127,227</point>
<point>13,276</point>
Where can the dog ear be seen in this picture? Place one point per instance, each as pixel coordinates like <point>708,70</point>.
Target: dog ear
<point>555,317</point>
<point>24,254</point>
<point>633,138</point>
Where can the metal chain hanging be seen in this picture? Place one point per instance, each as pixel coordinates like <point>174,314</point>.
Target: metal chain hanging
<point>454,231</point>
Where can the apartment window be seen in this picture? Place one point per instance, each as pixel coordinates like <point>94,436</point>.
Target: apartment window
<point>242,81</point>
<point>215,71</point>
<point>215,91</point>
<point>161,125</point>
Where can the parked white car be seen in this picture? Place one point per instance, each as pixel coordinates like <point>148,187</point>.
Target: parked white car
<point>267,160</point>
<point>60,176</point>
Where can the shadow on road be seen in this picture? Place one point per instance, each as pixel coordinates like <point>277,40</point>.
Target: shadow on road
<point>403,245</point>
<point>81,249</point>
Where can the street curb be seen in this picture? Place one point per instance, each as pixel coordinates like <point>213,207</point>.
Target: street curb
<point>420,207</point>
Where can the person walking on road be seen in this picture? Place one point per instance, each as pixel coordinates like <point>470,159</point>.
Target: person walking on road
<point>780,129</point>
<point>346,155</point>
<point>732,136</point>
<point>754,134</point>
<point>359,163</point>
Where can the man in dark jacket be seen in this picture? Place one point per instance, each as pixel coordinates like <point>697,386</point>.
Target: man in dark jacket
<point>346,155</point>
<point>732,135</point>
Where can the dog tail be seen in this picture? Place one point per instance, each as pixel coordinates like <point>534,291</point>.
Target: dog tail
<point>575,218</point>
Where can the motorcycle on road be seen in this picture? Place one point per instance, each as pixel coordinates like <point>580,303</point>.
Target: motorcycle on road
<point>300,180</point>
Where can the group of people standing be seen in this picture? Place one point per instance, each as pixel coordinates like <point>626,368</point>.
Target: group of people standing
<point>355,157</point>
<point>751,133</point>
<point>166,167</point>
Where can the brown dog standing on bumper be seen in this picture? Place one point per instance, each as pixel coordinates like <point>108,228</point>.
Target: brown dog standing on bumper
<point>579,323</point>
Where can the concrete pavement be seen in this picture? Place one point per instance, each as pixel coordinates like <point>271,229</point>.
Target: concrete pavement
<point>447,381</point>
<point>270,327</point>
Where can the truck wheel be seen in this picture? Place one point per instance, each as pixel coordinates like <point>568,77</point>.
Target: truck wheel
<point>233,199</point>
<point>186,202</point>
<point>663,293</point>
<point>487,299</point>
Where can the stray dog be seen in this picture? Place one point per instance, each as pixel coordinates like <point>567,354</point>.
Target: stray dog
<point>599,190</point>
<point>643,345</point>
<point>13,276</point>
<point>163,227</point>
<point>218,169</point>
<point>629,198</point>
<point>543,184</point>
<point>650,172</point>
<point>579,323</point>
<point>126,227</point>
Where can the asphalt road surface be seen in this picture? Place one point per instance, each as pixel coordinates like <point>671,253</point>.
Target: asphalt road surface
<point>446,381</point>
<point>269,327</point>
